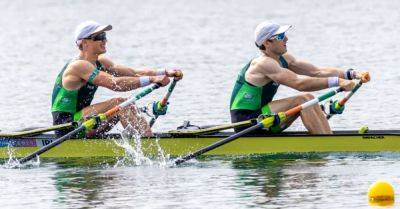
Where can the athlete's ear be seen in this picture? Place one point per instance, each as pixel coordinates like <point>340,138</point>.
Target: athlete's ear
<point>83,42</point>
<point>262,47</point>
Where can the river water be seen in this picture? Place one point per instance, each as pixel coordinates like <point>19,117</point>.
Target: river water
<point>210,41</point>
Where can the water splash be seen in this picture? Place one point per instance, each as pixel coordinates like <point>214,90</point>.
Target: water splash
<point>13,162</point>
<point>131,142</point>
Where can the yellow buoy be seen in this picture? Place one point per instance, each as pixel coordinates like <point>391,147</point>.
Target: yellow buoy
<point>363,130</point>
<point>381,193</point>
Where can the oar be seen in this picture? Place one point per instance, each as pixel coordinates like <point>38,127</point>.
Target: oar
<point>38,130</point>
<point>265,123</point>
<point>343,101</point>
<point>90,124</point>
<point>164,100</point>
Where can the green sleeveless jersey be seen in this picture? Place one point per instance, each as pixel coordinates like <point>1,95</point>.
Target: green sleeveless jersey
<point>72,101</point>
<point>249,97</point>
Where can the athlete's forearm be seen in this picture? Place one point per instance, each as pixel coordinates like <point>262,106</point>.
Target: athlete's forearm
<point>329,72</point>
<point>149,72</point>
<point>120,71</point>
<point>306,83</point>
<point>126,83</point>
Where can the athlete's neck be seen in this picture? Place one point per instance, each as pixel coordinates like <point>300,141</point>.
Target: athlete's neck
<point>88,56</point>
<point>271,55</point>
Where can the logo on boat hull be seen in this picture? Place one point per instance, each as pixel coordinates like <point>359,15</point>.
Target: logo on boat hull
<point>43,142</point>
<point>373,137</point>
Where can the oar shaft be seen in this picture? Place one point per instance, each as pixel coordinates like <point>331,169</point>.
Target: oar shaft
<point>51,145</point>
<point>218,144</point>
<point>312,102</point>
<point>111,112</point>
<point>164,100</point>
<point>132,100</point>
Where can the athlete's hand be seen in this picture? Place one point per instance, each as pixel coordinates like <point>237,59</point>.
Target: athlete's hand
<point>176,73</point>
<point>362,75</point>
<point>161,80</point>
<point>347,85</point>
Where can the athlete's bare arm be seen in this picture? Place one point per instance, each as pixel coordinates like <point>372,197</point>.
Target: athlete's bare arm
<point>79,72</point>
<point>303,67</point>
<point>121,70</point>
<point>271,69</point>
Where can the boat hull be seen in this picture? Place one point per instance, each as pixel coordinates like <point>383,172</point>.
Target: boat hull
<point>288,143</point>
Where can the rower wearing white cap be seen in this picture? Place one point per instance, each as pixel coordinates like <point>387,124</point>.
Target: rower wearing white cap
<point>260,78</point>
<point>77,82</point>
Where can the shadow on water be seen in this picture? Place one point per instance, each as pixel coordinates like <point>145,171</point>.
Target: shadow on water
<point>83,185</point>
<point>267,172</point>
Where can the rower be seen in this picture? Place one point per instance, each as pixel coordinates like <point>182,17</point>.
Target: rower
<point>79,79</point>
<point>260,78</point>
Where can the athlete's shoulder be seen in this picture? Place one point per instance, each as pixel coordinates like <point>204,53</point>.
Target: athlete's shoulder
<point>106,61</point>
<point>80,66</point>
<point>264,63</point>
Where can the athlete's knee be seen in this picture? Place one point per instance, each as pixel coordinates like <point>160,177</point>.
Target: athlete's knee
<point>117,100</point>
<point>308,96</point>
<point>304,98</point>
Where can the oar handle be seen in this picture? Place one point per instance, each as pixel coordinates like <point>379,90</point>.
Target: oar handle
<point>350,94</point>
<point>164,100</point>
<point>130,101</point>
<point>312,102</point>
<point>171,87</point>
<point>343,101</point>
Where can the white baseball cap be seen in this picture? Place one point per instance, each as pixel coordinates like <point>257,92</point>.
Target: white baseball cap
<point>88,28</point>
<point>267,29</point>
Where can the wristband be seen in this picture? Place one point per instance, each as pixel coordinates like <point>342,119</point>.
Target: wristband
<point>161,72</point>
<point>144,81</point>
<point>349,74</point>
<point>333,81</point>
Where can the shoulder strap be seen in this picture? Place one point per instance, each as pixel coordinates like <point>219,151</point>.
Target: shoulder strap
<point>283,62</point>
<point>96,71</point>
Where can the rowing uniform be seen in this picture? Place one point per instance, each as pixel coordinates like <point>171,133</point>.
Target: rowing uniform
<point>67,105</point>
<point>249,101</point>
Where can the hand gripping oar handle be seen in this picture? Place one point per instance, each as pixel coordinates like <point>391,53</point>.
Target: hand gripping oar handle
<point>91,123</point>
<point>343,101</point>
<point>164,100</point>
<point>265,123</point>
<point>350,94</point>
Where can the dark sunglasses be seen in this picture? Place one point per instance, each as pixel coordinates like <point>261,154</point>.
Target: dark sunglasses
<point>98,37</point>
<point>279,37</point>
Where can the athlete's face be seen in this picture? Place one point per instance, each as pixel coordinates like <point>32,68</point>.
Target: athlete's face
<point>97,43</point>
<point>277,44</point>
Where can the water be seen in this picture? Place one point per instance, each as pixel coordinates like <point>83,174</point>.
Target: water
<point>210,41</point>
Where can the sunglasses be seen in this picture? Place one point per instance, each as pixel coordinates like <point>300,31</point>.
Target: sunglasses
<point>279,37</point>
<point>98,37</point>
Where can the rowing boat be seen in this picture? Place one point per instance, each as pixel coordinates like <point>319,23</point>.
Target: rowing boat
<point>175,145</point>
